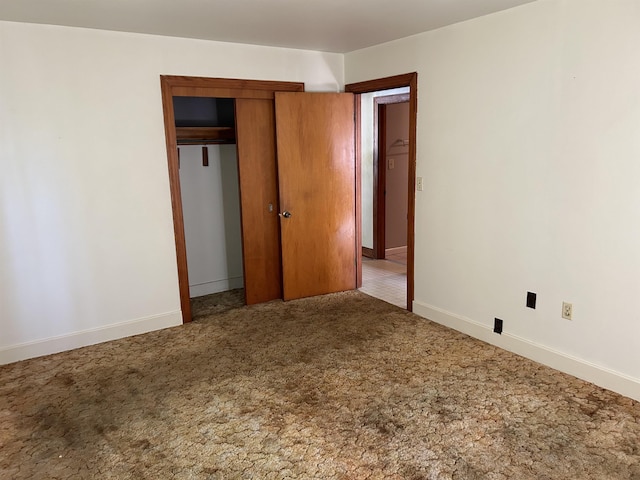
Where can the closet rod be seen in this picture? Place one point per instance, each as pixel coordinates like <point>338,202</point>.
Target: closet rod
<point>204,141</point>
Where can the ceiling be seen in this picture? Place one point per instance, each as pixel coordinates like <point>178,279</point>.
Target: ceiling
<point>327,25</point>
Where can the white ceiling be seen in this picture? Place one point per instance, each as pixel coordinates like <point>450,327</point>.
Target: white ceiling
<point>328,25</point>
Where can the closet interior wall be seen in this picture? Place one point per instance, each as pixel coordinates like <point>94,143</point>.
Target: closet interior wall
<point>210,200</point>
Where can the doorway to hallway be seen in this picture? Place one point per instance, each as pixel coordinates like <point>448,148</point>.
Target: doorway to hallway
<point>386,123</point>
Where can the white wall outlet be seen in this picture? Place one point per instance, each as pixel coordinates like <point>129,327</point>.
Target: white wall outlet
<point>419,183</point>
<point>567,310</point>
<point>392,163</point>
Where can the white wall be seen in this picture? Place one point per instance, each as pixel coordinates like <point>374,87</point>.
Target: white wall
<point>529,144</point>
<point>366,153</point>
<point>211,207</point>
<point>86,235</point>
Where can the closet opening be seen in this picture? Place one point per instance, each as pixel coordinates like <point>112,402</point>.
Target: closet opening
<point>259,172</point>
<point>234,114</point>
<point>209,185</point>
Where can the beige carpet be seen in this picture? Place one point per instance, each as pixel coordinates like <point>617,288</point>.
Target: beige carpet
<point>342,386</point>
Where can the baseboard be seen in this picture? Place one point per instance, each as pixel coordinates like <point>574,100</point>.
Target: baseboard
<point>215,286</point>
<point>368,252</point>
<point>603,377</point>
<point>395,250</point>
<point>47,346</point>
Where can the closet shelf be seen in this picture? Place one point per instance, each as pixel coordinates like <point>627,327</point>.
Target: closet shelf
<point>205,135</point>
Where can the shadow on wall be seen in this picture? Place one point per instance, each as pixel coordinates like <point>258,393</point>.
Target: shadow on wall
<point>231,209</point>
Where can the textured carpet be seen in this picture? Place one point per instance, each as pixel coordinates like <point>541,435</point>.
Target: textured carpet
<point>342,386</point>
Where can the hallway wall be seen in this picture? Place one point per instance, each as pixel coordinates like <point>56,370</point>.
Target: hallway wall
<point>397,186</point>
<point>366,139</point>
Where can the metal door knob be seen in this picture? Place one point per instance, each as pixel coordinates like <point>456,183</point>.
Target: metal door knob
<point>285,214</point>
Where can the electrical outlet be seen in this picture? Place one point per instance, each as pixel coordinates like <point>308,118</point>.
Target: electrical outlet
<point>419,184</point>
<point>531,300</point>
<point>392,163</point>
<point>567,310</point>
<point>497,326</point>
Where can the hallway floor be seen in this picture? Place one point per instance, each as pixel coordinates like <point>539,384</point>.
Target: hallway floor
<point>386,279</point>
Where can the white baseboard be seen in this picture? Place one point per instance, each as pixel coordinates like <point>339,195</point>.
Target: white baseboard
<point>395,250</point>
<point>215,286</point>
<point>603,377</point>
<point>61,343</point>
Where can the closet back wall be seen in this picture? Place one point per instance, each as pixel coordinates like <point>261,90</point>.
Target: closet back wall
<point>211,209</point>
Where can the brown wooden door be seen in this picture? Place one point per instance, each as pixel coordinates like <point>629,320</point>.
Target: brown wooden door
<point>255,137</point>
<point>316,172</point>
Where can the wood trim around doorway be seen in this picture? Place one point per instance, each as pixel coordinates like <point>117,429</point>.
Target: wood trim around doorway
<point>406,80</point>
<point>176,86</point>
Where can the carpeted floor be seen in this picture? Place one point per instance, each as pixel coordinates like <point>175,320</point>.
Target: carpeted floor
<point>342,386</point>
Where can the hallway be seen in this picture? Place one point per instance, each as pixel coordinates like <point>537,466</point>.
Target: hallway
<point>386,279</point>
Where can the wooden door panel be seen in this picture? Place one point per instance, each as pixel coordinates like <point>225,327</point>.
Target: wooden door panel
<point>316,171</point>
<point>255,136</point>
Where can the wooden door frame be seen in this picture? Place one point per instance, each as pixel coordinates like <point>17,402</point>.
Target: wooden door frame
<point>181,86</point>
<point>406,80</point>
<point>380,169</point>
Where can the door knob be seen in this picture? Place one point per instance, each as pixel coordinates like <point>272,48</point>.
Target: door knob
<point>285,214</point>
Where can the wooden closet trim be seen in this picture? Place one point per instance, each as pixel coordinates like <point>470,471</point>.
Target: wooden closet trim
<point>238,87</point>
<point>405,80</point>
<point>177,86</point>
